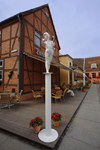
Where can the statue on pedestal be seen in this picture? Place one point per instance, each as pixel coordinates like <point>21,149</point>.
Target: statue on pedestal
<point>49,50</point>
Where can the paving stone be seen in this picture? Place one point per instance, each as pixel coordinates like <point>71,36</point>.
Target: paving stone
<point>89,115</point>
<point>92,102</point>
<point>73,144</point>
<point>84,135</point>
<point>86,124</point>
<point>91,106</point>
<point>12,143</point>
<point>3,137</point>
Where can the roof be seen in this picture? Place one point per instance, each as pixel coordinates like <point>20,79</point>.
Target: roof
<point>25,13</point>
<point>15,17</point>
<point>88,62</point>
<point>91,60</point>
<point>65,56</point>
<point>78,62</point>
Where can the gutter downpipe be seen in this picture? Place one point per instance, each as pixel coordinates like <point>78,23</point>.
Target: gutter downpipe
<point>18,69</point>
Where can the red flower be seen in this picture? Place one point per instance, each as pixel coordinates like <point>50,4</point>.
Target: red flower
<point>32,120</point>
<point>56,116</point>
<point>36,122</point>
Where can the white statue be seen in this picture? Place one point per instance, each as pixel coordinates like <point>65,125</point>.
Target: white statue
<point>49,50</point>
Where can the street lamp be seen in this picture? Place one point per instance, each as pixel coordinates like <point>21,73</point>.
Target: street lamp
<point>84,72</point>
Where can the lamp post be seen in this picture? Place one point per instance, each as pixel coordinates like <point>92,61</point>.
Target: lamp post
<point>91,79</point>
<point>84,72</point>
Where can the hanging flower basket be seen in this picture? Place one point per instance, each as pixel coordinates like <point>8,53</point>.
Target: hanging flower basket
<point>10,73</point>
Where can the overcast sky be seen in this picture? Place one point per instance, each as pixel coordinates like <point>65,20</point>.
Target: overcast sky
<point>77,23</point>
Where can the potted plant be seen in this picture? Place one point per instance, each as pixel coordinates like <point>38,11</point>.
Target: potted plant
<point>84,88</point>
<point>36,124</point>
<point>87,84</point>
<point>56,117</point>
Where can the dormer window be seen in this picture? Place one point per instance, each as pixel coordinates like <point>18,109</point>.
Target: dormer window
<point>94,65</point>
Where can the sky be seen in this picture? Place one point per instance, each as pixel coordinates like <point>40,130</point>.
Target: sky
<point>77,23</point>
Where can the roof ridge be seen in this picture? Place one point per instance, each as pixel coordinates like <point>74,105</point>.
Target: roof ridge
<point>24,12</point>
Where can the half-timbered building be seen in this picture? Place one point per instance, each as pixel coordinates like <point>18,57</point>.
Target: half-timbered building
<point>22,53</point>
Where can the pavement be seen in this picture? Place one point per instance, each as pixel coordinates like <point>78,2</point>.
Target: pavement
<point>83,133</point>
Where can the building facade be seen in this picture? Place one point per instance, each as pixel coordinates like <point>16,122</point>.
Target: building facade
<point>72,75</point>
<point>22,52</point>
<point>92,67</point>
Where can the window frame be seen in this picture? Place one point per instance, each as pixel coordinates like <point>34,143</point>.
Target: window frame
<point>99,74</point>
<point>93,75</point>
<point>2,64</point>
<point>2,75</point>
<point>39,38</point>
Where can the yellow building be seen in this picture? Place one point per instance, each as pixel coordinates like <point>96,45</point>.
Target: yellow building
<point>72,76</point>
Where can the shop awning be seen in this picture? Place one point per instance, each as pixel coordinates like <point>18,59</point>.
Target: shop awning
<point>53,63</point>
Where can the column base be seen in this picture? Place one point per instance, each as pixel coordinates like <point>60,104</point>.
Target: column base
<point>44,138</point>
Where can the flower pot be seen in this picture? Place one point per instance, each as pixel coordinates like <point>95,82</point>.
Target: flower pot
<point>56,123</point>
<point>84,90</point>
<point>87,86</point>
<point>37,128</point>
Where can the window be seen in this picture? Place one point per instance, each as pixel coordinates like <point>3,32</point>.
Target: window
<point>93,75</point>
<point>1,63</point>
<point>69,64</point>
<point>47,14</point>
<point>94,65</point>
<point>99,74</point>
<point>37,38</point>
<point>0,74</point>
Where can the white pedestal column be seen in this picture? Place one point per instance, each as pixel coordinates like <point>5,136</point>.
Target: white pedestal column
<point>48,134</point>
